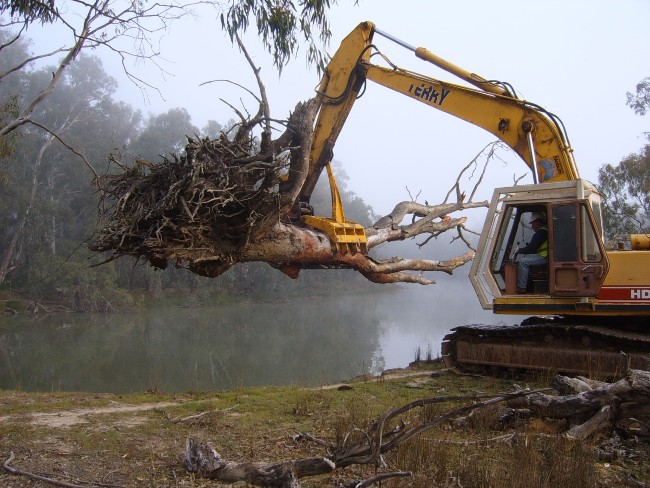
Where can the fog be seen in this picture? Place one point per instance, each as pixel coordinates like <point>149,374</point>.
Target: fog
<point>577,59</point>
<point>306,342</point>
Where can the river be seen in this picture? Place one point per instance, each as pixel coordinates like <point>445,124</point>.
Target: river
<point>299,342</point>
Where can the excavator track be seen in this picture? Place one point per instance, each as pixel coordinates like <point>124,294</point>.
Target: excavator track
<point>547,344</point>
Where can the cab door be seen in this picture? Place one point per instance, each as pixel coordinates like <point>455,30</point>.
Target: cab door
<point>577,259</point>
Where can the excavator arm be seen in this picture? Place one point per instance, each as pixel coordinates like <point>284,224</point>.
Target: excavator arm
<point>534,134</point>
<point>604,308</point>
<point>529,132</point>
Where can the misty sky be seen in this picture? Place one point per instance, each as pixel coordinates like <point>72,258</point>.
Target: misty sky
<point>576,58</point>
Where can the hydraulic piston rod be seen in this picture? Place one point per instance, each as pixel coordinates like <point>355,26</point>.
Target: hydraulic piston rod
<point>441,63</point>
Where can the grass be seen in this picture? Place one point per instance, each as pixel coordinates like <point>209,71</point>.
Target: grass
<point>144,448</point>
<point>426,357</point>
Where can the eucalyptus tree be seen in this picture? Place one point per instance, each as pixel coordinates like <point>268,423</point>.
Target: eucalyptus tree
<point>46,195</point>
<point>163,134</point>
<point>123,27</point>
<point>29,10</point>
<point>283,26</point>
<point>627,185</point>
<point>12,52</point>
<point>131,28</point>
<point>640,101</point>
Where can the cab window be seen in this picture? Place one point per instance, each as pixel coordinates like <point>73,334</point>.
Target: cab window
<point>565,240</point>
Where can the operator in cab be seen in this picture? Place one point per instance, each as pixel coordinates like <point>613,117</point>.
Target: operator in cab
<point>535,253</point>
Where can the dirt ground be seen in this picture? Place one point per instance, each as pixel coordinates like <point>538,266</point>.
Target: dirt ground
<point>138,440</point>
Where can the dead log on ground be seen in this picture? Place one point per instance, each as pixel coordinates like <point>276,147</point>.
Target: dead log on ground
<point>591,409</point>
<point>600,408</point>
<point>358,448</point>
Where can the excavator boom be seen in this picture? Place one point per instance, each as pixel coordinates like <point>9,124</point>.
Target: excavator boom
<point>533,133</point>
<point>602,296</point>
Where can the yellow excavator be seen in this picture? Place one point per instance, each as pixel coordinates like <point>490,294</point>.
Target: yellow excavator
<point>591,304</point>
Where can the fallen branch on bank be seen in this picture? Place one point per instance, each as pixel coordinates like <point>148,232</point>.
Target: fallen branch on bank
<point>588,406</point>
<point>358,448</point>
<point>46,479</point>
<point>591,407</point>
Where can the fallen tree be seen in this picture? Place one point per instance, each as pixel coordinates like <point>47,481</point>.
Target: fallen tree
<point>591,407</point>
<point>477,428</point>
<point>234,199</point>
<point>358,448</point>
<point>588,407</point>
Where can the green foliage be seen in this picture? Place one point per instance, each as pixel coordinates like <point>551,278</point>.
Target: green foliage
<point>9,110</point>
<point>13,52</point>
<point>627,195</point>
<point>281,25</point>
<point>28,11</point>
<point>212,129</point>
<point>72,282</point>
<point>164,133</point>
<point>626,187</point>
<point>47,199</point>
<point>640,101</point>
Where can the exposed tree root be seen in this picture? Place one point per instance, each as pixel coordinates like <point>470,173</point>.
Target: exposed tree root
<point>234,199</point>
<point>221,203</point>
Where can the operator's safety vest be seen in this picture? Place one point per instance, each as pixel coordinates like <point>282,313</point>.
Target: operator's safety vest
<point>542,250</point>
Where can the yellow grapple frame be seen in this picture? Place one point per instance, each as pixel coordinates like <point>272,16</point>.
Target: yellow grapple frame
<point>346,236</point>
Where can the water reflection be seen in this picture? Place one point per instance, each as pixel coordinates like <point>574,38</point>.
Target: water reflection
<point>306,343</point>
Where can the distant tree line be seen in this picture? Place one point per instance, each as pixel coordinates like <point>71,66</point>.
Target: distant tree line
<point>48,204</point>
<point>626,186</point>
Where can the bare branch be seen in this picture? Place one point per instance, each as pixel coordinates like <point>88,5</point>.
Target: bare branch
<point>102,25</point>
<point>28,60</point>
<point>204,460</point>
<point>37,477</point>
<point>71,148</point>
<point>264,104</point>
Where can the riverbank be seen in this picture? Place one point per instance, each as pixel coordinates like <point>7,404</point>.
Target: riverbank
<point>138,440</point>
<point>14,302</point>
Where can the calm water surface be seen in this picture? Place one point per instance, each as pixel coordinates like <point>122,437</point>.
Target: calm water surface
<point>301,342</point>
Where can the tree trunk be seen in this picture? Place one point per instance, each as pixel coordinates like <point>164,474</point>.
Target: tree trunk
<point>225,202</point>
<point>50,235</point>
<point>202,459</point>
<point>8,255</point>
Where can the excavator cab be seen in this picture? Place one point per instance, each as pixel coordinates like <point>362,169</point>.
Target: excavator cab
<point>577,261</point>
